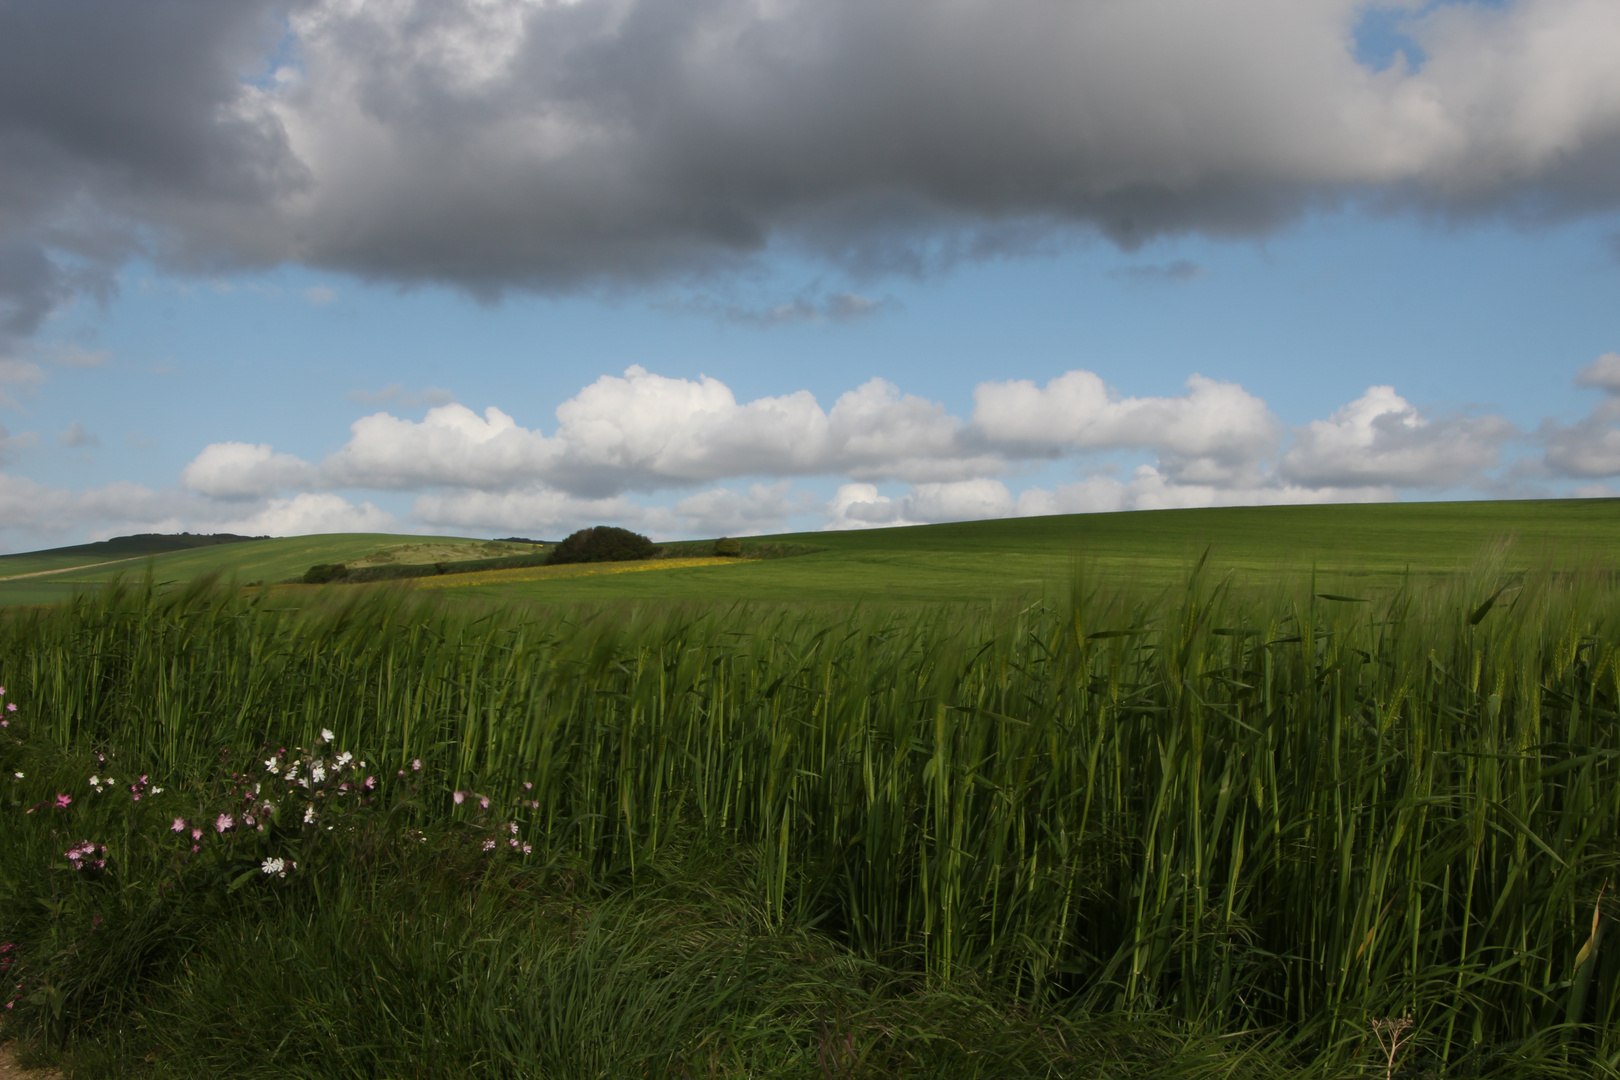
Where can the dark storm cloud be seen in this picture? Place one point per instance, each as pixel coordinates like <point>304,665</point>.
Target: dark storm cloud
<point>492,144</point>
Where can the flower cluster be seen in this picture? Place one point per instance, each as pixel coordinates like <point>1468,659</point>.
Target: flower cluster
<point>86,855</point>
<point>5,718</point>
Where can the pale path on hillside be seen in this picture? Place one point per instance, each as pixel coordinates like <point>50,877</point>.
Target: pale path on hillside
<point>10,1070</point>
<point>70,569</point>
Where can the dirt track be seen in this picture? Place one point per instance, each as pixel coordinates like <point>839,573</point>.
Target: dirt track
<point>9,1069</point>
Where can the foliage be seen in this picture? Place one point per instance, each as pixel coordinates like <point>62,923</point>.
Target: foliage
<point>322,573</point>
<point>1204,812</point>
<point>728,546</point>
<point>603,543</point>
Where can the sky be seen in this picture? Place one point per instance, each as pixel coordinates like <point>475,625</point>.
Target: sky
<point>728,267</point>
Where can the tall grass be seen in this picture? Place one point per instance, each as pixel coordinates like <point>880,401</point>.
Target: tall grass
<point>1239,811</point>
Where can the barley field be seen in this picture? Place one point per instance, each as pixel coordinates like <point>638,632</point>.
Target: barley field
<point>1208,829</point>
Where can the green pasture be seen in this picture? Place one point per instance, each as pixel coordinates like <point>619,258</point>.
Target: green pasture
<point>67,571</point>
<point>1347,546</point>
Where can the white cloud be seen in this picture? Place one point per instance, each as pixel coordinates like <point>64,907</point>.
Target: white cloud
<point>860,506</point>
<point>1602,373</point>
<point>1381,439</point>
<point>235,470</point>
<point>309,513</point>
<point>1590,447</point>
<point>1214,428</point>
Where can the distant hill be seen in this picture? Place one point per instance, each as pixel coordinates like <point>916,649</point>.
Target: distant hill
<point>125,547</point>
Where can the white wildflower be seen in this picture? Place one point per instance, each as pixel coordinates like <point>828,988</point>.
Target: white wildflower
<point>318,773</point>
<point>278,867</point>
<point>309,815</point>
<point>344,758</point>
<point>273,766</point>
<point>326,735</point>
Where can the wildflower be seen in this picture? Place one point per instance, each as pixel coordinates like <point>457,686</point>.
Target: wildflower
<point>87,856</point>
<point>157,791</point>
<point>95,782</point>
<point>17,775</point>
<point>273,766</point>
<point>513,826</point>
<point>179,825</point>
<point>528,785</point>
<point>527,848</point>
<point>309,815</point>
<point>344,758</point>
<point>371,782</point>
<point>62,801</point>
<point>326,735</point>
<point>459,797</point>
<point>317,772</point>
<point>483,802</point>
<point>489,845</point>
<point>223,822</point>
<point>416,764</point>
<point>196,834</point>
<point>278,867</point>
<point>11,706</point>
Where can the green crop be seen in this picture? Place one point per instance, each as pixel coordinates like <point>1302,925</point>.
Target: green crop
<point>1299,812</point>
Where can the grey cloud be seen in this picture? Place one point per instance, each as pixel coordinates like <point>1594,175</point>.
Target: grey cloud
<point>1179,270</point>
<point>77,436</point>
<point>609,143</point>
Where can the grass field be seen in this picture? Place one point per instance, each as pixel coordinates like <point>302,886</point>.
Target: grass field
<point>1008,560</point>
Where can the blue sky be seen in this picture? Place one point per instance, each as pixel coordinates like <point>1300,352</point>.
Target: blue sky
<point>1439,327</point>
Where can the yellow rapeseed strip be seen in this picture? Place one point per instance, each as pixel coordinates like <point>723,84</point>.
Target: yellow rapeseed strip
<point>541,573</point>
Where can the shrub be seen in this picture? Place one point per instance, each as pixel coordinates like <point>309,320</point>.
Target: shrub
<point>728,547</point>
<point>321,573</point>
<point>604,543</point>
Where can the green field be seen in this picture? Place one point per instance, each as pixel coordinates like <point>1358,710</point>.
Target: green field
<point>1007,560</point>
<point>1205,816</point>
<point>52,576</point>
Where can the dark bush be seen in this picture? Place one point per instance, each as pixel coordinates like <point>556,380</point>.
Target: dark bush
<point>604,543</point>
<point>728,547</point>
<point>321,573</point>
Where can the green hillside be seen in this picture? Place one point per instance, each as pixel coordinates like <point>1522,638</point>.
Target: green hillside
<point>1029,557</point>
<point>980,560</point>
<point>55,575</point>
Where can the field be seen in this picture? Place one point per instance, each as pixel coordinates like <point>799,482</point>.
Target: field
<point>1023,559</point>
<point>1244,814</point>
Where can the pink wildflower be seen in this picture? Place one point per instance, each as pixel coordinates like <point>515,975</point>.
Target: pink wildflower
<point>62,801</point>
<point>489,845</point>
<point>459,797</point>
<point>223,822</point>
<point>371,782</point>
<point>196,834</point>
<point>416,764</point>
<point>179,825</point>
<point>483,802</point>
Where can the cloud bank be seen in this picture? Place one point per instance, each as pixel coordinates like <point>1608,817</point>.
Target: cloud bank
<point>686,457</point>
<point>561,144</point>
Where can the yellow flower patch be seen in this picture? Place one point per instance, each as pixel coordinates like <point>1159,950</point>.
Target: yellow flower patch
<point>568,570</point>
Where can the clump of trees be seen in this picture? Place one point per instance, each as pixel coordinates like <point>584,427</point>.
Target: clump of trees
<point>729,547</point>
<point>604,543</point>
